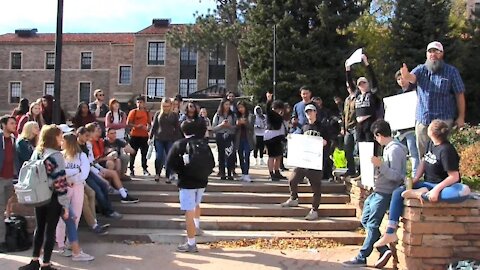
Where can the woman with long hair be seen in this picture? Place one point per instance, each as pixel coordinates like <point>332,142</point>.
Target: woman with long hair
<point>440,170</point>
<point>244,138</point>
<point>34,114</point>
<point>83,116</point>
<point>165,128</point>
<point>47,110</point>
<point>46,216</point>
<point>224,127</point>
<point>116,119</point>
<point>260,126</point>
<point>192,113</point>
<point>77,168</point>
<point>22,109</point>
<point>27,141</point>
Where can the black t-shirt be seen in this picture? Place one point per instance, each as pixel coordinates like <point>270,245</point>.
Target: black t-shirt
<point>439,160</point>
<point>366,104</point>
<point>116,145</point>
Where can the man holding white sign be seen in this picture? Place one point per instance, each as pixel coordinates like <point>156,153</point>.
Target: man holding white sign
<point>312,128</point>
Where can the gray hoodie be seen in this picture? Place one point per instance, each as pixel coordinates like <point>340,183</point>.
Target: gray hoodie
<point>393,170</point>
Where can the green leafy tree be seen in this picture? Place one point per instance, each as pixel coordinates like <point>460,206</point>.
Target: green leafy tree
<point>312,45</point>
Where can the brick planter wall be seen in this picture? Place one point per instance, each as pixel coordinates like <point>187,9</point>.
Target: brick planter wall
<point>431,235</point>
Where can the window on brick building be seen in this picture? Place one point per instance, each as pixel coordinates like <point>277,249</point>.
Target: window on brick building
<point>86,60</point>
<point>188,71</point>
<point>84,92</point>
<point>16,60</point>
<point>49,89</point>
<point>155,89</point>
<point>15,92</point>
<point>156,53</point>
<point>476,8</point>
<point>216,66</point>
<point>125,75</point>
<point>50,60</point>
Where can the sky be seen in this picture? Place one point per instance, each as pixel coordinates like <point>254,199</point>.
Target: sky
<point>90,16</point>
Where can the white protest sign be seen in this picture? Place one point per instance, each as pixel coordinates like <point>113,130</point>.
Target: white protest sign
<point>400,110</point>
<point>356,57</point>
<point>305,151</point>
<point>366,166</point>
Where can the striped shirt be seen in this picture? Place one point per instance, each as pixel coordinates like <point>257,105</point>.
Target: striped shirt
<point>436,93</point>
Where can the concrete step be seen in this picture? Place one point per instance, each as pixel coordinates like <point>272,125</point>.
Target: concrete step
<point>262,186</point>
<point>232,209</point>
<point>239,223</point>
<point>234,197</point>
<point>163,236</point>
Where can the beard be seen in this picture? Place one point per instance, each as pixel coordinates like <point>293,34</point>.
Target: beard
<point>434,65</point>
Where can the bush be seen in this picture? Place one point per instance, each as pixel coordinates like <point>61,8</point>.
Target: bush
<point>467,143</point>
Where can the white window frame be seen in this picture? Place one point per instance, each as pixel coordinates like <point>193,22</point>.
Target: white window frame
<point>46,59</point>
<point>164,86</point>
<point>45,87</point>
<point>10,91</point>
<point>119,75</point>
<point>11,59</point>
<point>91,60</point>
<point>89,93</point>
<point>164,54</point>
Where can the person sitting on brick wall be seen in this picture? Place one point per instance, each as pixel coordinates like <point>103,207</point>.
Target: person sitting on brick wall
<point>440,170</point>
<point>390,174</point>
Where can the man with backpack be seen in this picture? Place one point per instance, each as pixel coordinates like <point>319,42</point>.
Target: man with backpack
<point>8,163</point>
<point>193,160</point>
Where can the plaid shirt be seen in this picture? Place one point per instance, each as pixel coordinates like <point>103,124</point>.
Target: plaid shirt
<point>436,93</point>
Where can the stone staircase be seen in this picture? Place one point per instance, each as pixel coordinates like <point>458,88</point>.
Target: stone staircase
<point>234,210</point>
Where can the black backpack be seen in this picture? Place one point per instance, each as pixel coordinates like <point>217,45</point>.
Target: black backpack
<point>16,237</point>
<point>201,159</point>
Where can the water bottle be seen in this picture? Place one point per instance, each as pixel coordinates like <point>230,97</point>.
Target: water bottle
<point>150,151</point>
<point>408,183</point>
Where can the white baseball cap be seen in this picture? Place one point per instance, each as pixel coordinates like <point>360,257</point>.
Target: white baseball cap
<point>435,45</point>
<point>310,107</point>
<point>65,128</point>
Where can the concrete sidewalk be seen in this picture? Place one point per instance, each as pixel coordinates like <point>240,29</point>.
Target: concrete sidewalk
<point>152,256</point>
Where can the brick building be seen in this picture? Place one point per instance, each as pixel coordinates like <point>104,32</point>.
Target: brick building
<point>472,5</point>
<point>122,64</point>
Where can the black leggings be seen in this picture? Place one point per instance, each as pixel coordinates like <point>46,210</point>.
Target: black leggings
<point>142,144</point>
<point>364,134</point>
<point>259,146</point>
<point>226,153</point>
<point>47,217</point>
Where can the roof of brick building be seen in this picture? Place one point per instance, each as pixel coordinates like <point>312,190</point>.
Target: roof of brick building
<point>116,38</point>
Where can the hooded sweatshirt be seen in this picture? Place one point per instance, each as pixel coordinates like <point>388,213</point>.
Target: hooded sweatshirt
<point>393,170</point>
<point>260,121</point>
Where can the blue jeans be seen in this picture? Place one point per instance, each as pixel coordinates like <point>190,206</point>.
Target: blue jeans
<point>161,149</point>
<point>72,234</point>
<point>451,194</point>
<point>101,193</point>
<point>411,140</point>
<point>244,155</point>
<point>373,211</point>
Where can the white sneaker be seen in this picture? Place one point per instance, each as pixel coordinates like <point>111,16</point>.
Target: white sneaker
<point>262,162</point>
<point>257,162</point>
<point>82,257</point>
<point>65,252</point>
<point>312,215</point>
<point>290,203</point>
<point>246,178</point>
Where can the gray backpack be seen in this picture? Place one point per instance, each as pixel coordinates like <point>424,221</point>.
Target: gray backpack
<point>32,188</point>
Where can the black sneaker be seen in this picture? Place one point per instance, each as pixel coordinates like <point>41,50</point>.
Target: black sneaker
<point>355,262</point>
<point>48,267</point>
<point>383,259</point>
<point>280,176</point>
<point>33,265</point>
<point>274,178</point>
<point>129,199</point>
<point>106,225</point>
<point>230,178</point>
<point>99,230</point>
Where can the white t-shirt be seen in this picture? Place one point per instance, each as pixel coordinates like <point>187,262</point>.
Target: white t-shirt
<point>118,120</point>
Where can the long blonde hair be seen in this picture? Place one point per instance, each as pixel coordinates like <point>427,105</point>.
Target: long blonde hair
<point>27,131</point>
<point>70,146</point>
<point>48,138</point>
<point>166,101</point>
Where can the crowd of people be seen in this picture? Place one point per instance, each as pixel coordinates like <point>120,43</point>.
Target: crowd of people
<point>89,159</point>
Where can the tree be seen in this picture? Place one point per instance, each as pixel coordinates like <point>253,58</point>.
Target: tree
<point>225,25</point>
<point>312,45</point>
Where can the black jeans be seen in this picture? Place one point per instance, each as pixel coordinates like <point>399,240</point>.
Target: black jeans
<point>47,217</point>
<point>364,134</point>
<point>226,152</point>
<point>349,144</point>
<point>142,144</point>
<point>259,146</point>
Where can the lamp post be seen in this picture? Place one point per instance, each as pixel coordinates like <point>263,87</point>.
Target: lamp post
<point>274,60</point>
<point>58,63</point>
